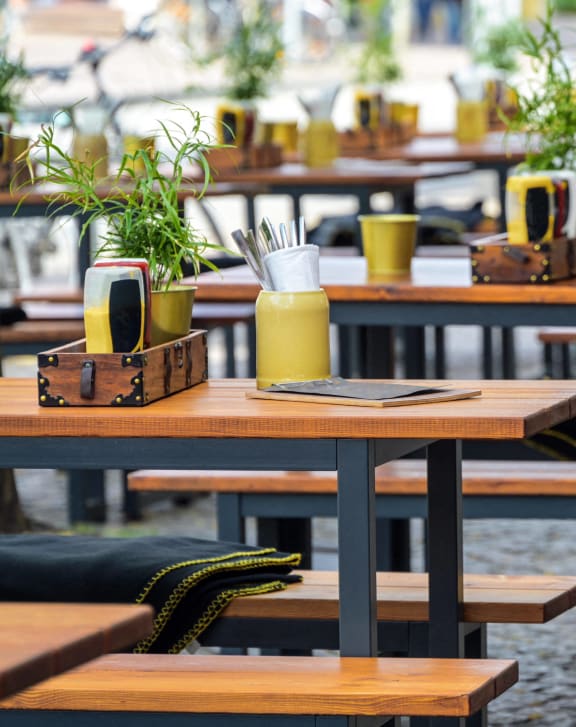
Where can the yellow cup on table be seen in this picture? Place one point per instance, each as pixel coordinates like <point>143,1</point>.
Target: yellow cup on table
<point>388,242</point>
<point>471,120</point>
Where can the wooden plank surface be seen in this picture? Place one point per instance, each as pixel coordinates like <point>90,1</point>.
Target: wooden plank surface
<point>42,330</point>
<point>436,280</point>
<point>220,409</point>
<point>494,148</point>
<point>346,172</point>
<point>275,685</point>
<point>40,640</point>
<point>404,597</point>
<point>402,477</point>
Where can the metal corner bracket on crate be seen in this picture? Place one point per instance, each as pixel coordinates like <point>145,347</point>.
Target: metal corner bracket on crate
<point>495,260</point>
<point>68,376</point>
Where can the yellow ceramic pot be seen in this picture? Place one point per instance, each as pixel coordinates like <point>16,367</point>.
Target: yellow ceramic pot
<point>292,337</point>
<point>171,313</point>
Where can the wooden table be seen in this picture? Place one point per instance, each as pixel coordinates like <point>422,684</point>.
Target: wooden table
<point>360,178</point>
<point>496,152</point>
<point>214,426</point>
<point>40,640</point>
<point>438,292</point>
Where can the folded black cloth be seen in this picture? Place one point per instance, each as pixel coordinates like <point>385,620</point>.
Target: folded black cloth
<point>187,581</point>
<point>11,314</point>
<point>558,442</point>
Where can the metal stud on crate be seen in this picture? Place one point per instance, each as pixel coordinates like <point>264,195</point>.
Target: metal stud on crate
<point>494,260</point>
<point>68,376</point>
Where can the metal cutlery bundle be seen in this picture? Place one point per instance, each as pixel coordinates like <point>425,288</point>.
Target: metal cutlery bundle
<point>280,260</point>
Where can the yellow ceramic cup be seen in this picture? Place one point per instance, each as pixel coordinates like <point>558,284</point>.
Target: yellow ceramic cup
<point>292,337</point>
<point>388,242</point>
<point>471,121</point>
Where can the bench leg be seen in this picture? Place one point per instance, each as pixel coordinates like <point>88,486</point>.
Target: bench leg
<point>393,545</point>
<point>86,496</point>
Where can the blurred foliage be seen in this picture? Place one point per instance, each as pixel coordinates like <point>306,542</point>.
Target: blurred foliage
<point>546,109</point>
<point>11,73</point>
<point>254,54</point>
<point>377,62</point>
<point>499,46</point>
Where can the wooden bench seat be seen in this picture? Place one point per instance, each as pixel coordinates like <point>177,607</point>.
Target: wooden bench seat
<point>404,597</point>
<point>401,477</point>
<point>492,489</point>
<point>143,685</point>
<point>267,620</point>
<point>31,336</point>
<point>557,342</point>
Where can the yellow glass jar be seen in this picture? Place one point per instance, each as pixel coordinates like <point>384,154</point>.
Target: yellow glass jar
<point>92,149</point>
<point>471,121</point>
<point>319,143</point>
<point>292,337</point>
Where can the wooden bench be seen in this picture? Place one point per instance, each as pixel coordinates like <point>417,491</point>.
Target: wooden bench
<point>267,620</point>
<point>139,690</point>
<point>52,323</point>
<point>31,336</point>
<point>557,342</point>
<point>285,501</point>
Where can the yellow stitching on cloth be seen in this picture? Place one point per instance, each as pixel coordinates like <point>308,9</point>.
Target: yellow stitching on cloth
<point>550,451</point>
<point>216,608</point>
<point>183,564</point>
<point>187,583</point>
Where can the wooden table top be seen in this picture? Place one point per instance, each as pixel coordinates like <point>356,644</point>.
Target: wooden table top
<point>345,171</point>
<point>220,409</point>
<point>441,280</point>
<point>495,148</point>
<point>40,640</point>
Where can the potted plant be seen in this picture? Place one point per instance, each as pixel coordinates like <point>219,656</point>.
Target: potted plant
<point>141,203</point>
<point>496,53</point>
<point>252,58</point>
<point>376,68</point>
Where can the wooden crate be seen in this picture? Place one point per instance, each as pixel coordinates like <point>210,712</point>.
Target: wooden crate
<point>68,376</point>
<point>494,260</point>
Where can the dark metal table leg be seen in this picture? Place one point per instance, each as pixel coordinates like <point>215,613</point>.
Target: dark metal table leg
<point>445,548</point>
<point>357,548</point>
<point>446,587</point>
<point>86,496</point>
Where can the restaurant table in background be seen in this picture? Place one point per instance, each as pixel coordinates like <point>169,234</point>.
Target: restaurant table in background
<point>438,292</point>
<point>360,178</point>
<point>216,426</point>
<point>41,640</point>
<point>497,152</point>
